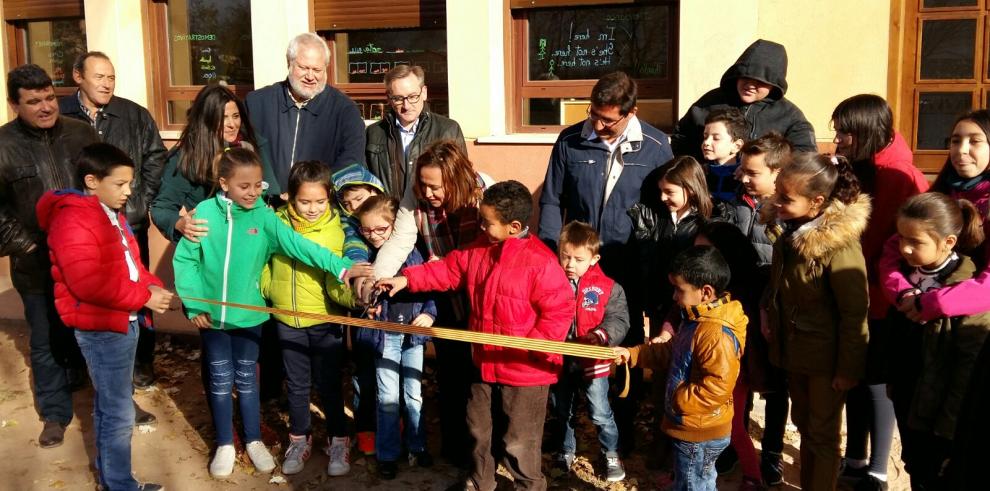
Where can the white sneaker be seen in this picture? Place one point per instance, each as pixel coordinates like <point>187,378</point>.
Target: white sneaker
<point>222,464</point>
<point>297,454</point>
<point>340,456</point>
<point>260,456</point>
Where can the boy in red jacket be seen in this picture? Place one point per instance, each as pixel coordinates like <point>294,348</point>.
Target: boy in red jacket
<point>515,287</point>
<point>100,285</point>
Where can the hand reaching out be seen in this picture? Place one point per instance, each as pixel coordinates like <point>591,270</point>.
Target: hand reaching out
<point>190,227</point>
<point>159,300</point>
<point>621,356</point>
<point>392,285</point>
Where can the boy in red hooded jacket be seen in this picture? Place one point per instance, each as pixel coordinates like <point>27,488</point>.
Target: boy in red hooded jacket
<point>515,287</point>
<point>100,285</point>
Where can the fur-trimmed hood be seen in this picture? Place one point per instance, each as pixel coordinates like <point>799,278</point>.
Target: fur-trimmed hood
<point>837,226</point>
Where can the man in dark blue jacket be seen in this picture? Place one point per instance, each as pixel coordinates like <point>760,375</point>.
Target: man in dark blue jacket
<point>596,174</point>
<point>305,119</point>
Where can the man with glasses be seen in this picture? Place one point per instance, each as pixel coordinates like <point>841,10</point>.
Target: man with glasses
<point>408,127</point>
<point>596,173</point>
<point>302,117</point>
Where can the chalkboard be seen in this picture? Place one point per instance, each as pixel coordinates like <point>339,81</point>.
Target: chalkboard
<point>212,42</point>
<point>586,43</point>
<point>371,54</point>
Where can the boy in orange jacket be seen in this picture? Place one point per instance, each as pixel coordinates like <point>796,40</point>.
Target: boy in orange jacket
<point>703,360</point>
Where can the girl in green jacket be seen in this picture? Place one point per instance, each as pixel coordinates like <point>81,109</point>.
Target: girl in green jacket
<point>226,265</point>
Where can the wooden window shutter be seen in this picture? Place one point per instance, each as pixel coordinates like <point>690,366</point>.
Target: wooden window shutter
<point>15,10</point>
<point>348,15</point>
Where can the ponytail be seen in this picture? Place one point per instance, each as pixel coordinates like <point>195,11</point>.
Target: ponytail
<point>971,235</point>
<point>943,216</point>
<point>821,175</point>
<point>846,188</point>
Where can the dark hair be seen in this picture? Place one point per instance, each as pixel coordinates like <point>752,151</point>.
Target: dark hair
<point>736,249</point>
<point>309,171</point>
<point>379,203</point>
<point>615,89</point>
<point>868,119</point>
<point>943,216</point>
<point>776,150</point>
<point>403,70</point>
<point>821,175</point>
<point>511,201</point>
<point>980,118</point>
<point>230,160</point>
<point>460,181</point>
<point>28,77</point>
<point>202,139</point>
<point>80,64</point>
<point>354,186</point>
<point>687,173</point>
<point>700,266</point>
<point>580,234</point>
<point>99,160</point>
<point>733,119</point>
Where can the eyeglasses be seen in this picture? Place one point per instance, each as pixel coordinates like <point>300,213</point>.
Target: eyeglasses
<point>606,123</point>
<point>379,231</point>
<point>397,100</point>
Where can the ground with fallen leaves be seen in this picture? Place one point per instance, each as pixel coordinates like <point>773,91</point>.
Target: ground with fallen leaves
<point>175,452</point>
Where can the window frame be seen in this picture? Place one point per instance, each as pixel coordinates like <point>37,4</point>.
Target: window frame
<point>520,87</point>
<point>17,17</point>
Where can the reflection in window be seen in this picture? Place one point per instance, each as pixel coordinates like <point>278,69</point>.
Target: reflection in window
<point>930,4</point>
<point>936,113</point>
<point>54,46</point>
<point>210,41</point>
<point>948,48</point>
<point>569,110</point>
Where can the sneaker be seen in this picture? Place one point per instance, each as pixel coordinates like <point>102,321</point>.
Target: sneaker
<point>870,483</point>
<point>222,464</point>
<point>52,435</point>
<point>144,376</point>
<point>260,456</point>
<point>614,471</point>
<point>148,486</point>
<point>340,456</point>
<point>853,473</point>
<point>750,484</point>
<point>421,459</point>
<point>727,461</point>
<point>388,469</point>
<point>296,455</point>
<point>563,461</point>
<point>366,442</point>
<point>771,468</point>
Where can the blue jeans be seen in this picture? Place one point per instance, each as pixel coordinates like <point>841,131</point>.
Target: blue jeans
<point>110,359</point>
<point>565,393</point>
<point>232,357</point>
<point>51,385</point>
<point>398,358</point>
<point>312,357</point>
<point>694,464</point>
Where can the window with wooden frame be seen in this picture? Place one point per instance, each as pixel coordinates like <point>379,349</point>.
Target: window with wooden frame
<point>367,39</point>
<point>944,71</point>
<point>50,34</point>
<point>560,48</point>
<point>195,43</point>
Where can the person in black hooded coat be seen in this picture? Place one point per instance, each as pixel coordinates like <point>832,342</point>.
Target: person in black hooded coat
<point>763,102</point>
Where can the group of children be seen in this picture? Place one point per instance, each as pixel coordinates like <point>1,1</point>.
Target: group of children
<point>753,263</point>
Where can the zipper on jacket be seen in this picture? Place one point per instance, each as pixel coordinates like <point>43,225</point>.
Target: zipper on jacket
<point>52,167</point>
<point>295,136</point>
<point>226,264</point>
<point>294,308</point>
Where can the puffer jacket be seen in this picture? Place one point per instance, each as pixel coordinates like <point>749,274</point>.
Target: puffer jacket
<point>765,61</point>
<point>744,213</point>
<point>384,154</point>
<point>703,360</point>
<point>93,288</point>
<point>291,285</point>
<point>817,298</point>
<point>129,127</point>
<point>33,161</point>
<point>355,248</point>
<point>515,287</point>
<point>602,311</point>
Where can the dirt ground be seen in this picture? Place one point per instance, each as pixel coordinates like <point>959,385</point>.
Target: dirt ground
<point>175,452</point>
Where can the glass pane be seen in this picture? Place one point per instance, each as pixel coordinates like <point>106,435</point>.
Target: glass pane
<point>947,48</point>
<point>567,111</point>
<point>210,40</point>
<point>586,43</point>
<point>54,46</point>
<point>936,113</point>
<point>930,4</point>
<point>177,111</point>
<point>366,56</point>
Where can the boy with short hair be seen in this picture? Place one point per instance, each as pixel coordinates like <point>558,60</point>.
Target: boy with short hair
<point>725,132</point>
<point>703,364</point>
<point>602,319</point>
<point>760,163</point>
<point>516,287</point>
<point>100,285</point>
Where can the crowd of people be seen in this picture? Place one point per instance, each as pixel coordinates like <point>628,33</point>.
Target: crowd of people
<point>731,258</point>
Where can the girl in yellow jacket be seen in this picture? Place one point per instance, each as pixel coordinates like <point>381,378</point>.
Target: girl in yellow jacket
<point>311,351</point>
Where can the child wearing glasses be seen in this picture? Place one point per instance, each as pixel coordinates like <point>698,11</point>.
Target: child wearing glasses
<point>312,350</point>
<point>399,360</point>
